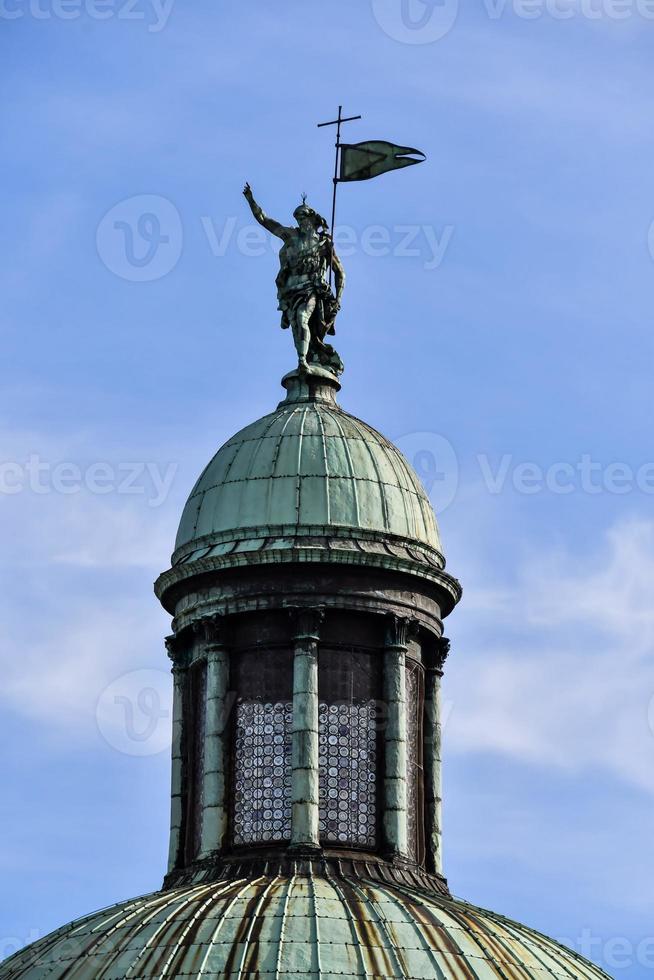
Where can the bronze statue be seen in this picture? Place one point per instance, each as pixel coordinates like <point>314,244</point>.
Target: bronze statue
<point>308,305</point>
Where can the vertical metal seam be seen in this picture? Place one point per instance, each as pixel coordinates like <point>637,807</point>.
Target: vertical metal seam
<point>448,909</point>
<point>326,462</point>
<point>382,922</point>
<point>273,467</point>
<point>417,488</point>
<point>298,491</point>
<point>162,925</point>
<point>408,493</point>
<point>259,443</point>
<point>229,466</point>
<point>212,899</point>
<point>315,921</point>
<point>253,920</point>
<point>282,927</point>
<point>223,919</point>
<point>380,483</point>
<point>346,449</point>
<point>484,941</point>
<point>350,919</point>
<point>393,456</point>
<point>389,894</point>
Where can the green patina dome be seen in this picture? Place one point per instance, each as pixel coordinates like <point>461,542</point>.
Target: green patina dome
<point>308,471</point>
<point>295,928</point>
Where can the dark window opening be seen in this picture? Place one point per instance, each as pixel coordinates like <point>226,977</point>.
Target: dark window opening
<point>261,774</point>
<point>195,699</point>
<point>349,746</point>
<point>415,696</point>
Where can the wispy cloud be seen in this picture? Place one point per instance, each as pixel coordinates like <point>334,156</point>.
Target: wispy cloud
<point>563,676</point>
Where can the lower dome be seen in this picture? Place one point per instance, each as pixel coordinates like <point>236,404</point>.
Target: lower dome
<point>302,926</point>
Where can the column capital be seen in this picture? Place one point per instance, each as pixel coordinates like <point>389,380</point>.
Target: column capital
<point>307,621</point>
<point>210,632</point>
<point>441,653</point>
<point>177,652</point>
<point>436,655</point>
<point>398,631</point>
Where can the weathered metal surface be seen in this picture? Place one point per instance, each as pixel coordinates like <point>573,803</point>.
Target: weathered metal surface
<point>270,547</point>
<point>297,926</point>
<point>307,260</point>
<point>276,588</point>
<point>216,765</point>
<point>331,863</point>
<point>306,465</point>
<point>395,749</point>
<point>433,765</point>
<point>305,799</point>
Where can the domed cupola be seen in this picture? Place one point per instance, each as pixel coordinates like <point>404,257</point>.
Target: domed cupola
<point>308,591</point>
<point>309,482</point>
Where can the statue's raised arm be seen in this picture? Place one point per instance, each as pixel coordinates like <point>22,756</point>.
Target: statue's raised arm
<point>274,227</point>
<point>306,300</point>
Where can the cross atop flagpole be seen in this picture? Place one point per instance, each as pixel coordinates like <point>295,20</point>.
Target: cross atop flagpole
<point>338,122</point>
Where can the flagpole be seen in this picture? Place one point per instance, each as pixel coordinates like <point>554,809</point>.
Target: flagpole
<point>335,122</point>
<point>338,146</point>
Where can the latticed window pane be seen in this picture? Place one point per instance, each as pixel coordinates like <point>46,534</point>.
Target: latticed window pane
<point>348,773</point>
<point>262,792</point>
<point>261,788</point>
<point>415,781</point>
<point>348,747</point>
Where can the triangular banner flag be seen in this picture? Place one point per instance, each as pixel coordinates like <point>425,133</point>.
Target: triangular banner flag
<point>361,161</point>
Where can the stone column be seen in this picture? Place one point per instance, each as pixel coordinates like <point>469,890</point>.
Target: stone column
<point>305,802</point>
<point>214,787</point>
<point>179,672</point>
<point>395,747</point>
<point>433,757</point>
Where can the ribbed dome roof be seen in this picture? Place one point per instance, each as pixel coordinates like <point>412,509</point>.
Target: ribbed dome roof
<point>295,928</point>
<point>306,466</point>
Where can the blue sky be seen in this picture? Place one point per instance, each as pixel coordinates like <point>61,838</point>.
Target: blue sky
<point>497,324</point>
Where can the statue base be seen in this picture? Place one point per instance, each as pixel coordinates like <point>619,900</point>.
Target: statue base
<point>312,384</point>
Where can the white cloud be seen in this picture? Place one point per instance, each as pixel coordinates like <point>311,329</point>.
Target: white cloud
<point>564,674</point>
<point>54,673</point>
<point>77,572</point>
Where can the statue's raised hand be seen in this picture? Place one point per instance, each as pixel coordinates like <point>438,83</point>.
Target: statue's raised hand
<point>247,190</point>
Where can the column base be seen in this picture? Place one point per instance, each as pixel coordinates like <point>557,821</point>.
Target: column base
<point>304,850</point>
